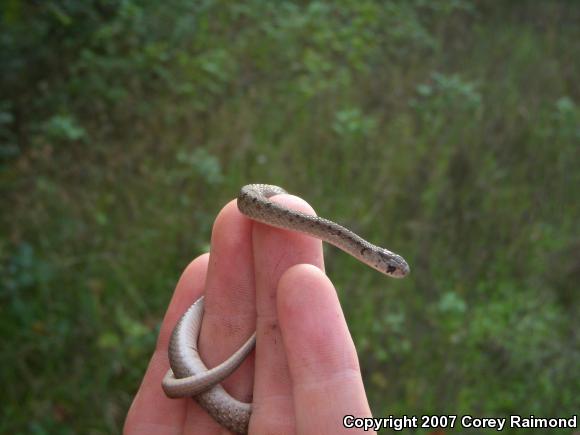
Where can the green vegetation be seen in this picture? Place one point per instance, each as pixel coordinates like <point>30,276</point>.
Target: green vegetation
<point>447,130</point>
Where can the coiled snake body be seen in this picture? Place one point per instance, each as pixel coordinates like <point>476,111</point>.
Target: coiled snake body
<point>188,375</point>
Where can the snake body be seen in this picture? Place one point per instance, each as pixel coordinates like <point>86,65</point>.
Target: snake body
<point>188,375</point>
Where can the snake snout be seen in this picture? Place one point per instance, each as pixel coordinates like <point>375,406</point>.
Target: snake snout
<point>403,269</point>
<point>394,264</point>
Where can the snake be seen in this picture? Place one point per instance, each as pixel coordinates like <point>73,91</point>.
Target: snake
<point>188,375</point>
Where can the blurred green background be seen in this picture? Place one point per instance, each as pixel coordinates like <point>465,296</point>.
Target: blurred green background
<point>446,130</point>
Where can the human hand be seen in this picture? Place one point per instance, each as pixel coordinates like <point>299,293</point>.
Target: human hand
<point>305,375</point>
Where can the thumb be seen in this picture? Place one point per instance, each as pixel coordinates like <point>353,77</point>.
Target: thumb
<point>326,378</point>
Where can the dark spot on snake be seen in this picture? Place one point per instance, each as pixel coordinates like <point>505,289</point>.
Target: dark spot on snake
<point>363,250</point>
<point>391,269</point>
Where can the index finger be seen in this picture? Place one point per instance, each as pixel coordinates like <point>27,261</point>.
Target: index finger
<point>151,411</point>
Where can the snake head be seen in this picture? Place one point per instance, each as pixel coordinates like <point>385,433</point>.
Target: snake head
<point>391,264</point>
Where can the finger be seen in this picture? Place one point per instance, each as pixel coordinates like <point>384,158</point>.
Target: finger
<point>151,411</point>
<point>230,313</point>
<point>326,378</point>
<point>275,250</point>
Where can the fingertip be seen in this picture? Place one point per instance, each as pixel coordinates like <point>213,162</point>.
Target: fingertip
<point>296,285</point>
<point>229,228</point>
<point>315,333</point>
<point>189,287</point>
<point>190,275</point>
<point>294,202</point>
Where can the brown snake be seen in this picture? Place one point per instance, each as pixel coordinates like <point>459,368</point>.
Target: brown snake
<point>188,375</point>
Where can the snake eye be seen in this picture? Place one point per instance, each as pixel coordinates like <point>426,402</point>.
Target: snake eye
<point>391,269</point>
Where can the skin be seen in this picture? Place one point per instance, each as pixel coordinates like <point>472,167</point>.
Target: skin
<point>307,375</point>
